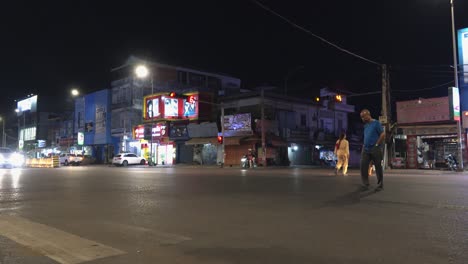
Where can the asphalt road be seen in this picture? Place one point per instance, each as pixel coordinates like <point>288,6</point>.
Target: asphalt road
<point>109,215</point>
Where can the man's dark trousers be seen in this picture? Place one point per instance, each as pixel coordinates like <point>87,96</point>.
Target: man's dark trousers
<point>375,154</point>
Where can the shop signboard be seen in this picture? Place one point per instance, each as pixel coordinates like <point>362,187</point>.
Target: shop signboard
<point>454,101</point>
<point>80,138</point>
<point>178,131</point>
<point>423,110</point>
<point>139,132</point>
<point>159,130</point>
<point>237,125</point>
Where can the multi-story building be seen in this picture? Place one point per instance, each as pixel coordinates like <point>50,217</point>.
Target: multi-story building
<point>128,92</point>
<point>92,125</point>
<point>297,131</point>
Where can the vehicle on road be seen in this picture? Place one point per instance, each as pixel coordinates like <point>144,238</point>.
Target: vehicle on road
<point>125,159</point>
<point>9,158</point>
<point>70,159</point>
<point>452,162</point>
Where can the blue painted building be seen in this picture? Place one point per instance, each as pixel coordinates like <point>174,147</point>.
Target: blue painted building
<point>93,120</point>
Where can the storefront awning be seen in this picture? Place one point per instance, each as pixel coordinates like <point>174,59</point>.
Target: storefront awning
<point>230,141</point>
<point>198,141</point>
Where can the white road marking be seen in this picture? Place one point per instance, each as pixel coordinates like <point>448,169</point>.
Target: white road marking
<point>58,245</point>
<point>163,238</point>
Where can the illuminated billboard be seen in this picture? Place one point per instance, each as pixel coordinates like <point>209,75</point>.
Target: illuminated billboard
<point>161,107</point>
<point>28,104</point>
<point>151,107</point>
<point>454,101</point>
<point>237,125</point>
<point>191,106</point>
<point>171,107</point>
<point>139,132</point>
<point>80,138</point>
<point>463,61</point>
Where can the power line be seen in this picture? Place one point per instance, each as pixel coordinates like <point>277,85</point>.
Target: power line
<point>424,89</point>
<point>315,35</point>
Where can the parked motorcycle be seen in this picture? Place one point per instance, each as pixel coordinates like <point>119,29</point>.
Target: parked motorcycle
<point>451,162</point>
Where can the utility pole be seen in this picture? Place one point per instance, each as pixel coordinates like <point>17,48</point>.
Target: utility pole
<point>386,111</point>
<point>223,153</point>
<point>455,71</point>
<point>263,127</point>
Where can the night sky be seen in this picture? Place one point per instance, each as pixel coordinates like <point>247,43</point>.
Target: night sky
<point>49,47</point>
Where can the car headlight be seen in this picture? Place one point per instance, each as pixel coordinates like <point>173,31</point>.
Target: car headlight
<point>17,159</point>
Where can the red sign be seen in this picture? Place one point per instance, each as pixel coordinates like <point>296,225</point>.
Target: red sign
<point>139,132</point>
<point>166,107</point>
<point>423,110</point>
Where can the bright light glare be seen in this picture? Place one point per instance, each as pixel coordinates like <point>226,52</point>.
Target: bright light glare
<point>295,147</point>
<point>141,71</point>
<point>75,92</point>
<point>17,110</point>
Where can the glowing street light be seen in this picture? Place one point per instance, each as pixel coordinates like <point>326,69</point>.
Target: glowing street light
<point>141,71</point>
<point>75,92</point>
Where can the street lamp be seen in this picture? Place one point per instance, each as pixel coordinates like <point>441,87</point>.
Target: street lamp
<point>143,72</point>
<point>74,93</point>
<point>455,72</point>
<point>3,131</point>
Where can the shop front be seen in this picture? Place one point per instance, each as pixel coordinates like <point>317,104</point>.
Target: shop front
<point>427,132</point>
<point>426,146</point>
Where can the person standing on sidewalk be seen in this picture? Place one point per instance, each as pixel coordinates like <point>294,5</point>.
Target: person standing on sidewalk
<point>374,136</point>
<point>342,152</point>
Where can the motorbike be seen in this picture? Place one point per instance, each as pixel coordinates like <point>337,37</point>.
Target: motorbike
<point>451,162</point>
<point>244,162</point>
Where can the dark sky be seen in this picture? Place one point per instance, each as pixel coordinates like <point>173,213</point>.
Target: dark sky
<point>49,47</point>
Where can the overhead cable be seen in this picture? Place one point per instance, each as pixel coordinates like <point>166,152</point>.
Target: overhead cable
<point>315,35</point>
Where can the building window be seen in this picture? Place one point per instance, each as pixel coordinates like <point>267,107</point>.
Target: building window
<point>197,80</point>
<point>303,120</point>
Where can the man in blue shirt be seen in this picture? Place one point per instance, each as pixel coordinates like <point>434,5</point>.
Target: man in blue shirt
<point>374,136</point>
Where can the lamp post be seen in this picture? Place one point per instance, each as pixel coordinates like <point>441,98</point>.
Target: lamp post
<point>455,71</point>
<point>74,93</point>
<point>142,72</point>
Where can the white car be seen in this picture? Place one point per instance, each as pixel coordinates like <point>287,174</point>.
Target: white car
<point>68,158</point>
<point>125,159</point>
<point>10,159</point>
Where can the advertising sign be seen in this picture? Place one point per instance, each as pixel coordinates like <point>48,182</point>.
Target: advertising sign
<point>151,107</point>
<point>171,107</point>
<point>80,138</point>
<point>454,97</point>
<point>159,107</point>
<point>237,125</point>
<point>159,130</point>
<point>27,104</point>
<point>463,53</point>
<point>423,110</point>
<point>100,126</point>
<point>139,132</point>
<point>191,106</point>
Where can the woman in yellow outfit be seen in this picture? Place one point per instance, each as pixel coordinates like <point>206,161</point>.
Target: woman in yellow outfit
<point>342,152</point>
